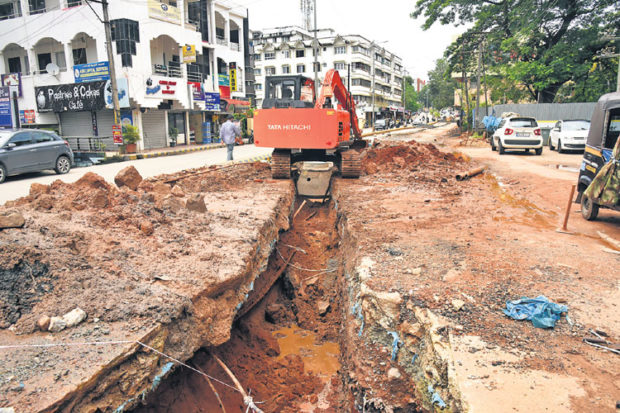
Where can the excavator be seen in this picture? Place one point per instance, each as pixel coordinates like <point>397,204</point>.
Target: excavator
<point>303,128</point>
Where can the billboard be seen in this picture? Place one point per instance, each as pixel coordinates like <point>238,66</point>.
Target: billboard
<point>189,53</point>
<point>91,72</point>
<point>75,97</point>
<point>164,12</point>
<point>14,80</point>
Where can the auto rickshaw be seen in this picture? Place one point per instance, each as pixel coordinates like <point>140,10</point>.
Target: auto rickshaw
<point>599,176</point>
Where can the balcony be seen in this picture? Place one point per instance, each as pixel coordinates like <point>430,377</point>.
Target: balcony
<point>221,41</point>
<point>235,46</point>
<point>10,10</point>
<point>173,69</point>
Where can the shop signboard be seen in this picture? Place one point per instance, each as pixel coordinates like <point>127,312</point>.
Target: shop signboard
<point>123,93</point>
<point>91,72</point>
<point>74,97</point>
<point>164,12</point>
<point>14,81</point>
<point>26,117</point>
<point>233,76</point>
<point>197,91</point>
<point>189,53</point>
<point>212,102</point>
<point>6,120</point>
<point>224,85</point>
<point>117,134</point>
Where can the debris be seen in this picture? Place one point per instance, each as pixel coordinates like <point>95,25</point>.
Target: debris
<point>217,395</point>
<point>393,374</point>
<point>57,324</point>
<point>129,177</point>
<point>436,398</point>
<point>323,307</point>
<point>43,323</point>
<point>614,243</point>
<point>312,214</point>
<point>414,358</point>
<point>299,209</point>
<point>394,252</point>
<point>74,317</point>
<point>172,204</point>
<point>196,203</point>
<point>247,400</point>
<point>458,304</point>
<point>540,311</point>
<point>178,191</point>
<point>395,342</point>
<point>610,251</point>
<point>147,227</point>
<point>11,219</point>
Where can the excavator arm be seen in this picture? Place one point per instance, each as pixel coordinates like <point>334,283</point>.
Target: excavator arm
<point>333,86</point>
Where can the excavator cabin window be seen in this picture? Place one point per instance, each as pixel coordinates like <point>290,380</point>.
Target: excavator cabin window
<point>288,92</point>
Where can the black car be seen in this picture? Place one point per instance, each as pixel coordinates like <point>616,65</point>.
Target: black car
<point>32,150</point>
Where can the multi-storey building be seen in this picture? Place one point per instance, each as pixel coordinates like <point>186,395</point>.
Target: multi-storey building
<point>168,54</point>
<point>288,50</point>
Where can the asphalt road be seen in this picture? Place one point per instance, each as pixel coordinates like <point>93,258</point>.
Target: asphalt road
<point>17,186</point>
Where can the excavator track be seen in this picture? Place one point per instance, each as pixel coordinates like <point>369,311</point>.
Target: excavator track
<point>281,164</point>
<point>351,164</point>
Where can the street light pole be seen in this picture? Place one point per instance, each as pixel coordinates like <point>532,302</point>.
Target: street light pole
<point>372,56</point>
<point>316,54</point>
<point>108,38</point>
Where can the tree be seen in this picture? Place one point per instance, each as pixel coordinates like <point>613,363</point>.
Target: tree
<point>441,85</point>
<point>411,95</point>
<point>539,45</point>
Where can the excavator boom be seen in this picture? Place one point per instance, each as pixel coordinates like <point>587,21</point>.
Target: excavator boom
<point>332,85</point>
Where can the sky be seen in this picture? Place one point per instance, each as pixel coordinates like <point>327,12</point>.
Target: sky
<point>374,20</point>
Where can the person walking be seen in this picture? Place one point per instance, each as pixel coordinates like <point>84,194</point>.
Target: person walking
<point>228,132</point>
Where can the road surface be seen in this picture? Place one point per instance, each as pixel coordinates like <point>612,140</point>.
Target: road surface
<point>18,186</point>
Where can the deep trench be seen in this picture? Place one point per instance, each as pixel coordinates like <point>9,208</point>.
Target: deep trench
<point>286,350</point>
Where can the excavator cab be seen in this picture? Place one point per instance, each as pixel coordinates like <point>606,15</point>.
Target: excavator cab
<point>283,92</point>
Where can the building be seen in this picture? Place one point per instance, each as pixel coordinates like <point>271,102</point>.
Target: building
<point>174,60</point>
<point>288,50</point>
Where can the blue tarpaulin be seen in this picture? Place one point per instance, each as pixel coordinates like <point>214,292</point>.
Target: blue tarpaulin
<point>540,311</point>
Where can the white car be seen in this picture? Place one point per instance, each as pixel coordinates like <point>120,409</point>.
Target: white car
<point>569,135</point>
<point>517,132</point>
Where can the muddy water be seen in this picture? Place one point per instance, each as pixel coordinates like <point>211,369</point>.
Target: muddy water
<point>285,350</point>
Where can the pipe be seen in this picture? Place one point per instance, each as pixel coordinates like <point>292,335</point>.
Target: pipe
<point>468,174</point>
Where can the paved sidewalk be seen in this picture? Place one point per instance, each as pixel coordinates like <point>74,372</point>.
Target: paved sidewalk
<point>178,150</point>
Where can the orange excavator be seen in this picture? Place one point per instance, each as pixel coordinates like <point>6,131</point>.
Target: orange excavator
<point>301,127</point>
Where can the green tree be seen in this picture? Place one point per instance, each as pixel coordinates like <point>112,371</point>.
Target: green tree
<point>538,45</point>
<point>441,85</point>
<point>411,95</point>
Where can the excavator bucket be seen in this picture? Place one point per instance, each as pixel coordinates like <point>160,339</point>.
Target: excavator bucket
<point>314,179</point>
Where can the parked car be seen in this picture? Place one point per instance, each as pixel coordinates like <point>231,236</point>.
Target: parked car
<point>569,135</point>
<point>380,124</point>
<point>517,133</point>
<point>33,150</point>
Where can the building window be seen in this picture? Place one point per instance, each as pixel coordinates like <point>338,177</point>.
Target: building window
<point>339,65</point>
<point>270,71</point>
<point>10,10</point>
<point>340,49</point>
<point>36,6</point>
<point>79,56</point>
<point>73,3</point>
<point>301,68</point>
<point>287,54</point>
<point>316,67</point>
<point>257,56</point>
<point>300,53</point>
<point>257,72</point>
<point>15,65</point>
<point>258,86</point>
<point>44,59</point>
<point>126,33</point>
<point>286,69</point>
<point>270,55</point>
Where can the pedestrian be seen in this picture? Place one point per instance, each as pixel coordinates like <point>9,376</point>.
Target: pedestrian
<point>228,132</point>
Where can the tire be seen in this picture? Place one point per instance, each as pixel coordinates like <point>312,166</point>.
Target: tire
<point>538,151</point>
<point>63,165</point>
<point>493,147</point>
<point>527,151</point>
<point>589,210</point>
<point>551,144</point>
<point>500,147</point>
<point>560,150</point>
<point>2,173</point>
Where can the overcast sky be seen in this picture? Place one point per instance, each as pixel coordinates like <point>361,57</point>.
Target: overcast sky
<point>376,20</point>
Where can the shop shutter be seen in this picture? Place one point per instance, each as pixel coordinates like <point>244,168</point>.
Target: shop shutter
<point>154,128</point>
<point>76,124</point>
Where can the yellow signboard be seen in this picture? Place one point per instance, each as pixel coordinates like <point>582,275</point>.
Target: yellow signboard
<point>233,80</point>
<point>163,11</point>
<point>189,53</point>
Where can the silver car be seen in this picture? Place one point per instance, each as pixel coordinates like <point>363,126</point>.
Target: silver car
<point>32,150</point>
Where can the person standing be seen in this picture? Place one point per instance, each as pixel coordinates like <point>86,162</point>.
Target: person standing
<point>228,132</point>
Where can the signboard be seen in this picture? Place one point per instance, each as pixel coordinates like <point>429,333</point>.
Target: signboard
<point>6,120</point>
<point>165,12</point>
<point>14,80</point>
<point>196,90</point>
<point>117,134</point>
<point>91,72</point>
<point>160,88</point>
<point>223,80</point>
<point>212,102</point>
<point>26,117</point>
<point>189,53</point>
<point>123,93</point>
<point>233,80</point>
<point>126,118</point>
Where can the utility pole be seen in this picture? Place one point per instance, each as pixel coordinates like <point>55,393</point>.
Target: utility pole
<point>475,120</point>
<point>108,38</point>
<point>316,54</point>
<point>372,56</point>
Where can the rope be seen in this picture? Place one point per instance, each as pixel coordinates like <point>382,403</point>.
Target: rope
<point>305,269</point>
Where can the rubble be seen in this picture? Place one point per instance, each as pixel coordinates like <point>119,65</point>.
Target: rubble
<point>11,219</point>
<point>129,177</point>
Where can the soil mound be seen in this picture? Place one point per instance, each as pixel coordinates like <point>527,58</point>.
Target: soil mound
<point>393,156</point>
